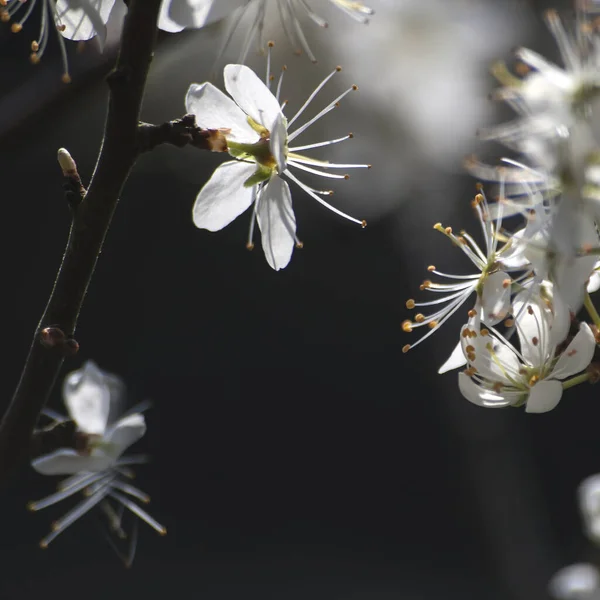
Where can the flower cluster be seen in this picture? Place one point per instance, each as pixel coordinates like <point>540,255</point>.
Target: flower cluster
<point>97,468</point>
<point>539,262</point>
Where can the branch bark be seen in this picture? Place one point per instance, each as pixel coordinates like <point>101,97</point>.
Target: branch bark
<point>91,220</point>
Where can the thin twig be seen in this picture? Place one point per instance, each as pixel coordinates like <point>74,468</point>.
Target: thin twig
<point>91,220</point>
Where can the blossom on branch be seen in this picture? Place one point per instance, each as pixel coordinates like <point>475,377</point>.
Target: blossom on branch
<point>258,137</point>
<point>97,468</point>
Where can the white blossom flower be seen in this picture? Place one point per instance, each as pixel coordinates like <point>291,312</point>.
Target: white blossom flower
<point>98,469</point>
<point>181,14</point>
<point>580,581</point>
<point>72,19</point>
<point>491,283</point>
<point>258,137</point>
<point>499,375</point>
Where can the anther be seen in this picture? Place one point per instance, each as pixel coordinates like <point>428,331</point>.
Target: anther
<point>472,313</point>
<point>506,283</point>
<point>426,284</point>
<point>338,68</point>
<point>432,324</point>
<point>407,326</point>
<point>16,27</point>
<point>405,348</point>
<point>299,245</point>
<point>410,304</point>
<point>509,322</point>
<point>354,87</point>
<point>535,341</point>
<point>249,246</point>
<point>431,268</point>
<point>419,318</point>
<point>448,230</point>
<point>35,46</point>
<point>485,332</point>
<point>363,223</point>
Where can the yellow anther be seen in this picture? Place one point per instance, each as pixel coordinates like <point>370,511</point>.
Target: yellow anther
<point>431,268</point>
<point>506,283</point>
<point>16,27</point>
<point>410,304</point>
<point>485,332</point>
<point>405,348</point>
<point>407,326</point>
<point>426,284</point>
<point>432,324</point>
<point>419,318</point>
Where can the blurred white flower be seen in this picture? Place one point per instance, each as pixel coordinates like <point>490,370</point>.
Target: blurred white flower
<point>181,14</point>
<point>258,137</point>
<point>580,581</point>
<point>98,468</point>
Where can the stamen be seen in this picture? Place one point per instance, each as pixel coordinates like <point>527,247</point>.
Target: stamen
<point>136,510</point>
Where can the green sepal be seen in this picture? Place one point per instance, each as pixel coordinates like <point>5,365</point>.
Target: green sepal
<point>261,174</point>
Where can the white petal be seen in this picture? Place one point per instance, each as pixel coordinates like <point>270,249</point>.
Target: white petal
<point>544,396</point>
<point>124,433</point>
<point>66,461</point>
<point>224,196</point>
<point>251,94</point>
<point>87,398</point>
<point>594,282</point>
<point>480,396</point>
<point>165,23</point>
<point>215,110</point>
<point>561,322</point>
<point>277,223</point>
<point>196,13</point>
<point>279,142</point>
<point>577,356</point>
<point>83,19</point>
<point>575,582</point>
<point>456,359</point>
<point>495,298</point>
<point>533,321</point>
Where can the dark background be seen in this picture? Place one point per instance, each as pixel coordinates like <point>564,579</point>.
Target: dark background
<point>297,453</point>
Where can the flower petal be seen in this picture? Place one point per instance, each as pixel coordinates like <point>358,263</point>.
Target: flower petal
<point>251,94</point>
<point>82,20</point>
<point>577,356</point>
<point>195,13</point>
<point>495,297</point>
<point>544,396</point>
<point>481,396</point>
<point>124,433</point>
<point>533,321</point>
<point>224,196</point>
<point>455,360</point>
<point>277,223</point>
<point>279,142</point>
<point>215,110</point>
<point>66,461</point>
<point>87,398</point>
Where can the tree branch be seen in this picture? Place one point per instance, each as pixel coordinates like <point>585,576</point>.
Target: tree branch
<point>180,132</point>
<point>91,218</point>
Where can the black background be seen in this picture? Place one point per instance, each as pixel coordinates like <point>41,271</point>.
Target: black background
<point>297,453</point>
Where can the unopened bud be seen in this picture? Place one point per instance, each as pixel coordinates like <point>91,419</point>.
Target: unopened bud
<point>66,162</point>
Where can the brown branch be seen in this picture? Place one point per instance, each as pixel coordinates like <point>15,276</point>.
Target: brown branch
<point>91,219</point>
<point>180,132</point>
